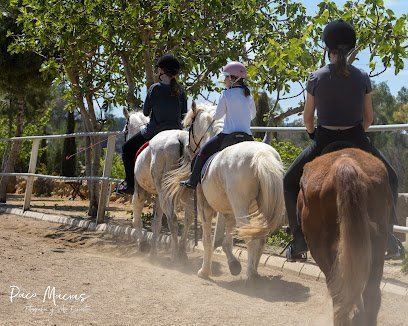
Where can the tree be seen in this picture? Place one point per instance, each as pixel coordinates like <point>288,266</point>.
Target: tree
<point>23,83</point>
<point>288,46</point>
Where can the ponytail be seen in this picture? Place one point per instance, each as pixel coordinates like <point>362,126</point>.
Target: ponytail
<point>241,83</point>
<point>247,92</point>
<point>175,87</point>
<point>341,67</point>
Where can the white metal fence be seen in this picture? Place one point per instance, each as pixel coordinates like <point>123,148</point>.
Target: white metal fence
<point>106,179</point>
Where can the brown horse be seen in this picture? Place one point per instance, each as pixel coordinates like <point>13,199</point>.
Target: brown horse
<point>344,205</point>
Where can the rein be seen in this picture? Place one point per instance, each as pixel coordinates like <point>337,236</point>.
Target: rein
<point>191,134</point>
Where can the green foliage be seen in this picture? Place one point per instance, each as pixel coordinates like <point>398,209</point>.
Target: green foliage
<point>287,151</point>
<point>146,217</point>
<point>279,238</point>
<point>118,170</point>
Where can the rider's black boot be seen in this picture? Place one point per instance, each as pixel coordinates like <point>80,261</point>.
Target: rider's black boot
<point>297,249</point>
<point>195,174</point>
<point>127,187</point>
<point>395,249</point>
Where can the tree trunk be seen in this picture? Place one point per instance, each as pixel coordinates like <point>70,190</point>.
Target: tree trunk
<point>90,125</point>
<point>131,99</point>
<point>9,166</point>
<point>147,58</point>
<point>95,160</point>
<point>68,168</point>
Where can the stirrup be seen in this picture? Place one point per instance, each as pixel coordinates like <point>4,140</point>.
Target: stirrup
<point>124,189</point>
<point>291,257</point>
<point>397,254</point>
<point>187,184</point>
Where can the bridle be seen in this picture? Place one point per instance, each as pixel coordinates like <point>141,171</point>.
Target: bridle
<point>191,134</point>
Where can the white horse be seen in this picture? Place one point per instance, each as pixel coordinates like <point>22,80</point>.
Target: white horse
<point>244,183</point>
<point>163,155</point>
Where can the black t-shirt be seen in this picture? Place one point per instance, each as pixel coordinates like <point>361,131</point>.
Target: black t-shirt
<point>339,101</point>
<point>166,111</point>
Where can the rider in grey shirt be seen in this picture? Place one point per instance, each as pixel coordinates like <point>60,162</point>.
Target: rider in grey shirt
<point>340,93</point>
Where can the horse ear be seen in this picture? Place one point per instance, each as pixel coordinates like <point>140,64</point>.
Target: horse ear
<point>126,113</point>
<point>194,106</point>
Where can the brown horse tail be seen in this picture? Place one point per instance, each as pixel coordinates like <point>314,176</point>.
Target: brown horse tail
<point>351,269</point>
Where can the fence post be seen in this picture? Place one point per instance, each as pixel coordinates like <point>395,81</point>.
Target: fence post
<point>406,234</point>
<point>31,169</point>
<point>107,168</point>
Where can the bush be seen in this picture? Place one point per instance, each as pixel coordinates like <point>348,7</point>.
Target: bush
<point>287,151</point>
<point>118,170</point>
<point>279,238</point>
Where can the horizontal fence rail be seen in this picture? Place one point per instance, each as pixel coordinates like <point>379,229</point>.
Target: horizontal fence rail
<point>57,177</point>
<point>394,127</point>
<point>111,138</point>
<point>77,134</point>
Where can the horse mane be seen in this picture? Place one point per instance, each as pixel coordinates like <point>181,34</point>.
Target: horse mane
<point>195,111</point>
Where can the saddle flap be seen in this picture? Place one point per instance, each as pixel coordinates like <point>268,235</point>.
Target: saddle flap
<point>206,166</point>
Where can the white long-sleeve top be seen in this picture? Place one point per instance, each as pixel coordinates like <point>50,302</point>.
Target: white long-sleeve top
<point>238,110</point>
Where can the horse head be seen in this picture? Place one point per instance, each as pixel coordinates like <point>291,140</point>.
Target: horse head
<point>201,125</point>
<point>134,123</point>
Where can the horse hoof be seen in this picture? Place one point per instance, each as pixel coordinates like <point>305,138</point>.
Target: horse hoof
<point>235,267</point>
<point>144,247</point>
<point>202,274</point>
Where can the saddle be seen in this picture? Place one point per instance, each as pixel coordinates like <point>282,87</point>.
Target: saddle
<point>337,145</point>
<point>229,140</point>
<point>235,138</point>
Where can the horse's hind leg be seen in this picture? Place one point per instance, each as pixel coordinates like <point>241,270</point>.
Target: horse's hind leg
<point>206,213</point>
<point>188,219</point>
<point>139,197</point>
<point>255,249</point>
<point>156,226</point>
<point>233,263</point>
<point>372,292</point>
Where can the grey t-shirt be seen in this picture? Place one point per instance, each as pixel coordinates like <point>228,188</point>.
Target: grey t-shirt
<point>166,111</point>
<point>339,101</point>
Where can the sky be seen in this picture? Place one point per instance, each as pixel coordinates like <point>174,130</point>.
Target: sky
<point>395,83</point>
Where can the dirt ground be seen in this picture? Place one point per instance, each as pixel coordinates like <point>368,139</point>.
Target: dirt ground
<point>55,275</point>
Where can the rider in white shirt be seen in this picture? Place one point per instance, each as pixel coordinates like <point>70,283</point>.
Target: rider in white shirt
<point>238,107</point>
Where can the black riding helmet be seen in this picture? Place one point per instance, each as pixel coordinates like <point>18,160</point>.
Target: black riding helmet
<point>339,35</point>
<point>169,64</point>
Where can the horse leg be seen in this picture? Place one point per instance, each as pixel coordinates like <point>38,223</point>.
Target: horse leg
<point>156,226</point>
<point>255,249</point>
<point>254,246</point>
<point>206,217</point>
<point>188,220</point>
<point>173,226</point>
<point>341,314</point>
<point>233,263</point>
<point>372,292</point>
<point>138,199</point>
<point>219,231</point>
